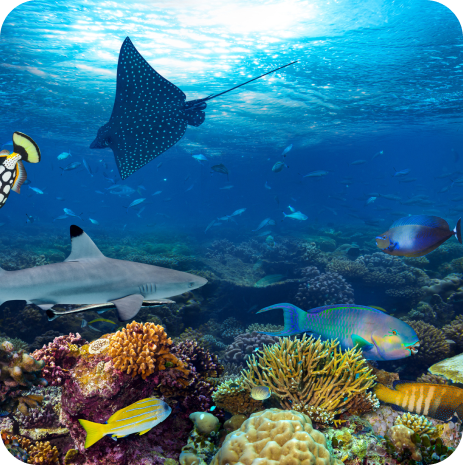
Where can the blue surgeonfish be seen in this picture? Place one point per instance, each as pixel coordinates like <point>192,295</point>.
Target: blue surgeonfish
<point>380,336</point>
<point>12,171</point>
<point>139,418</point>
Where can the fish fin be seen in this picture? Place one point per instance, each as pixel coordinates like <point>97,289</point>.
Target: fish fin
<point>362,343</point>
<point>52,315</point>
<point>422,220</point>
<point>144,432</point>
<point>128,307</point>
<point>21,176</point>
<point>45,306</point>
<point>95,431</point>
<point>82,247</point>
<point>4,153</point>
<point>24,145</point>
<point>84,323</point>
<point>457,230</point>
<point>294,319</point>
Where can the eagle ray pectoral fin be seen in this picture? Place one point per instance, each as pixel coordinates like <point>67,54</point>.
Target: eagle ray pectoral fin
<point>128,306</point>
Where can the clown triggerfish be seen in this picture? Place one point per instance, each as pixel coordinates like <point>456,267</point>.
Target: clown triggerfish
<point>415,236</point>
<point>438,401</point>
<point>12,171</point>
<point>380,336</point>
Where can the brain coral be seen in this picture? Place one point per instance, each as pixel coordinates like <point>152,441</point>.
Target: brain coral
<point>142,349</point>
<point>275,437</point>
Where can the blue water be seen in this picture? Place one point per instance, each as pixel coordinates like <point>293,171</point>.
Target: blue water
<point>372,76</point>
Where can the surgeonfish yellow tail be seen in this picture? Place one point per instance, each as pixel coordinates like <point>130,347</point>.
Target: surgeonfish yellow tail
<point>12,171</point>
<point>95,431</point>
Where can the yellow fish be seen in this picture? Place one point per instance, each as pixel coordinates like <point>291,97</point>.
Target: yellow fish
<point>12,171</point>
<point>438,401</point>
<point>139,418</point>
<point>260,393</point>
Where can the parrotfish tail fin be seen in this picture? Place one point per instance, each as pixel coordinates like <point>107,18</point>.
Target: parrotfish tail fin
<point>294,320</point>
<point>24,145</point>
<point>457,230</point>
<point>95,431</point>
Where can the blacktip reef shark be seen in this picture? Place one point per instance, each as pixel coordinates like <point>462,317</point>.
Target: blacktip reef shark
<point>12,171</point>
<point>96,282</point>
<point>150,114</point>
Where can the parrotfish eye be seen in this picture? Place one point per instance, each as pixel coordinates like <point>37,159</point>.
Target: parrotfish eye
<point>394,332</point>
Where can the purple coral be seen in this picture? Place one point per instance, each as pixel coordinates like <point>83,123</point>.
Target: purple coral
<point>323,289</point>
<point>245,344</point>
<point>58,358</point>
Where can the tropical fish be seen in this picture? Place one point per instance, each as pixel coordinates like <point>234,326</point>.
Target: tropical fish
<point>100,325</point>
<point>157,193</point>
<point>371,200</point>
<point>139,418</point>
<point>267,221</point>
<point>268,280</point>
<point>4,413</point>
<point>29,218</point>
<point>61,217</point>
<point>267,186</point>
<point>238,212</point>
<point>357,162</point>
<point>143,95</point>
<point>225,187</point>
<point>140,212</point>
<point>120,190</point>
<point>221,168</point>
<point>87,167</point>
<point>291,209</point>
<point>199,158</point>
<point>296,216</point>
<point>12,171</point>
<point>71,166</point>
<point>401,173</point>
<point>64,155</point>
<point>377,154</point>
<point>69,212</point>
<point>260,393</point>
<point>439,401</point>
<point>209,226</point>
<point>278,166</point>
<point>287,149</point>
<point>390,197</point>
<point>415,236</point>
<point>379,335</point>
<point>36,189</point>
<point>93,221</point>
<point>270,241</point>
<point>316,174</point>
<point>135,202</point>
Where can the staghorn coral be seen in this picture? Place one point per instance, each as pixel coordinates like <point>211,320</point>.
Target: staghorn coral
<point>142,349</point>
<point>419,424</point>
<point>245,344</point>
<point>433,346</point>
<point>43,453</point>
<point>312,376</point>
<point>275,437</point>
<point>235,398</point>
<point>454,331</point>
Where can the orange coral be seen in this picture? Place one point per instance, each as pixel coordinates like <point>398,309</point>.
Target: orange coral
<point>142,349</point>
<point>43,453</point>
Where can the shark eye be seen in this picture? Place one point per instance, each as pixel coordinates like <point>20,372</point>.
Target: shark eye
<point>191,284</point>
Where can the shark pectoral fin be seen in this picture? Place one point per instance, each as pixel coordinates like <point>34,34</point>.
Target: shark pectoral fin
<point>362,343</point>
<point>128,307</point>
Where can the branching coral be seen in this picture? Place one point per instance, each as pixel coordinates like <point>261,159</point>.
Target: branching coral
<point>309,374</point>
<point>419,424</point>
<point>43,453</point>
<point>142,349</point>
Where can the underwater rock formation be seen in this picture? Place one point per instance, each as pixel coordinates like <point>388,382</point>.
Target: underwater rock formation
<point>245,344</point>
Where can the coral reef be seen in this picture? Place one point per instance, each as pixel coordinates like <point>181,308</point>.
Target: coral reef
<point>245,344</point>
<point>454,331</point>
<point>142,349</point>
<point>275,436</point>
<point>313,377</point>
<point>432,379</point>
<point>451,369</point>
<point>419,424</point>
<point>43,453</point>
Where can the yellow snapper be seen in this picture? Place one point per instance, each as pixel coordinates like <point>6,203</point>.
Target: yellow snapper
<point>12,171</point>
<point>260,393</point>
<point>139,418</point>
<point>415,236</point>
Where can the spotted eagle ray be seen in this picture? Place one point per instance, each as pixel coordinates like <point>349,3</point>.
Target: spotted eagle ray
<point>150,114</point>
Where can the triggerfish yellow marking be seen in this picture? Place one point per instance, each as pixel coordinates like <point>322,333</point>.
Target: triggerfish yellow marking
<point>139,418</point>
<point>415,236</point>
<point>12,171</point>
<point>379,335</point>
<point>438,401</point>
<point>260,393</point>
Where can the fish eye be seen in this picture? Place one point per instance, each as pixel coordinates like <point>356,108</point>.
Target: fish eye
<point>191,284</point>
<point>394,332</point>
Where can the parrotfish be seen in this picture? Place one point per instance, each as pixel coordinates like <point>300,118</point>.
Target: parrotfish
<point>12,171</point>
<point>437,401</point>
<point>415,236</point>
<point>379,335</point>
<point>139,418</point>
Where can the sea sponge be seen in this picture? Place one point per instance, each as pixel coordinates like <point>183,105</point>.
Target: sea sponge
<point>419,424</point>
<point>204,422</point>
<point>275,437</point>
<point>43,453</point>
<point>142,349</point>
<point>402,438</point>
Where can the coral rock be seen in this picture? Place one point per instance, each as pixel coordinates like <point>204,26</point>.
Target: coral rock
<point>204,422</point>
<point>401,438</point>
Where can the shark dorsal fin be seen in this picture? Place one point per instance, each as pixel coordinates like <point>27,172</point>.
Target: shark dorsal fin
<point>82,246</point>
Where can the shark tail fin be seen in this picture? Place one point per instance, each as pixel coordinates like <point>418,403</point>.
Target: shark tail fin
<point>95,431</point>
<point>294,320</point>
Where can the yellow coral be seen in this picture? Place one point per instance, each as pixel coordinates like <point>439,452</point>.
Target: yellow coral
<point>309,374</point>
<point>419,424</point>
<point>43,453</point>
<point>142,349</point>
<point>282,437</point>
